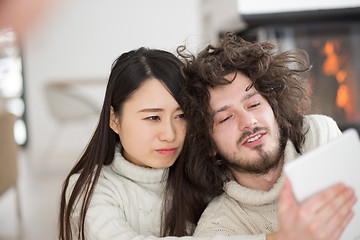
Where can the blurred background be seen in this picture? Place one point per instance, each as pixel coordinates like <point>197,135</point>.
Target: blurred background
<point>55,58</point>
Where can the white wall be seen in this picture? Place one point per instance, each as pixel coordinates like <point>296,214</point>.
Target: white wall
<point>79,39</point>
<point>219,17</point>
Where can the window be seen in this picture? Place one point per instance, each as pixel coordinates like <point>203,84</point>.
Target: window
<point>12,83</point>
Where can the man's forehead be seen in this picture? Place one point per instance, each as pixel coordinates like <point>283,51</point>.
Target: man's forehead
<point>231,77</point>
<point>238,83</point>
<point>224,96</point>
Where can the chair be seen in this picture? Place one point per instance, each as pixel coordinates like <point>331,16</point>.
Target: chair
<point>8,157</point>
<point>68,104</point>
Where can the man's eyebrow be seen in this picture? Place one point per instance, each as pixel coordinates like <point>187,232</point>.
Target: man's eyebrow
<point>249,95</point>
<point>223,108</point>
<point>244,98</point>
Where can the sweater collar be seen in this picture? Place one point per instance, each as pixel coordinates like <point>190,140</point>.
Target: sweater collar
<point>257,197</point>
<point>135,172</point>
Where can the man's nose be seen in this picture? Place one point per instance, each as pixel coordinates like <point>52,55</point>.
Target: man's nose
<point>246,121</point>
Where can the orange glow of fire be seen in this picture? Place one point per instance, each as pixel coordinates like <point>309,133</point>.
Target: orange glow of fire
<point>332,63</point>
<point>342,96</point>
<point>332,67</point>
<point>341,75</point>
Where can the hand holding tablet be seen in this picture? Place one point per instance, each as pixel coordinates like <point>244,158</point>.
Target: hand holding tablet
<point>338,161</point>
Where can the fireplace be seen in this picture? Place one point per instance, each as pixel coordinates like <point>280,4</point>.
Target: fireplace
<point>332,40</point>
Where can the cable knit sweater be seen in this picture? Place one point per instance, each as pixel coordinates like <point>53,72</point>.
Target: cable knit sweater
<point>127,204</point>
<point>242,210</point>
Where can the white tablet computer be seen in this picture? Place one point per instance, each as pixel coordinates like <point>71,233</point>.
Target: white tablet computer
<point>337,161</point>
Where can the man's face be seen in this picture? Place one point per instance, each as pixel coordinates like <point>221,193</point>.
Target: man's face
<point>245,130</point>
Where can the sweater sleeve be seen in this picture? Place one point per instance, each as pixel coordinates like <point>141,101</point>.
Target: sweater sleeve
<point>105,220</point>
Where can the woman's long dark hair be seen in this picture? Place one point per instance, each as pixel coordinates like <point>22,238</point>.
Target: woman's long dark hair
<point>128,72</point>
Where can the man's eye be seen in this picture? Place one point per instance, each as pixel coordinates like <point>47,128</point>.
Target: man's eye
<point>225,119</point>
<point>254,105</point>
<point>153,118</point>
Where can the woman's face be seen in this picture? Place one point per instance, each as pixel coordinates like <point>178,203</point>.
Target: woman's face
<point>151,126</point>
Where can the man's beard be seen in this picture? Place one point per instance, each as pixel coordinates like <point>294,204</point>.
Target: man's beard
<point>262,164</point>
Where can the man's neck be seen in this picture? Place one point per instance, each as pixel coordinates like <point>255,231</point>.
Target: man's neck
<point>262,182</point>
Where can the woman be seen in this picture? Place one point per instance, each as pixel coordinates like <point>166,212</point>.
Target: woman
<point>120,188</point>
<point>117,182</point>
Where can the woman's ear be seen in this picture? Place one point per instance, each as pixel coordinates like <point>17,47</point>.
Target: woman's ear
<point>114,121</point>
<point>213,153</point>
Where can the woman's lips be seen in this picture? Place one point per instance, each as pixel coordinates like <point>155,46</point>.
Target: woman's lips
<point>167,151</point>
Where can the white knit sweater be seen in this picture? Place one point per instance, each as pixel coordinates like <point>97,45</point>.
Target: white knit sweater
<point>127,204</point>
<point>242,210</point>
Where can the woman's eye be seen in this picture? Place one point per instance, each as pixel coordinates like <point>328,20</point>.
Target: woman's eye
<point>153,118</point>
<point>180,116</point>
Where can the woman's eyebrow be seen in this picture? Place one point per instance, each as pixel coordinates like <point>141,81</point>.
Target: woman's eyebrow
<point>155,109</point>
<point>151,110</point>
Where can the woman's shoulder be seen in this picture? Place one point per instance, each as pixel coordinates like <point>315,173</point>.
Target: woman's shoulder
<point>108,179</point>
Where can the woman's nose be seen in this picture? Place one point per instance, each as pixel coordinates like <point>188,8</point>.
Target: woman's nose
<point>168,132</point>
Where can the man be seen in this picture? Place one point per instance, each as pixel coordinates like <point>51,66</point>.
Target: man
<point>250,101</point>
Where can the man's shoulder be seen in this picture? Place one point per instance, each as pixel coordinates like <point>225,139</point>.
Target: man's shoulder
<point>218,202</point>
<point>317,120</point>
<point>220,217</point>
<point>319,130</point>
<point>220,206</point>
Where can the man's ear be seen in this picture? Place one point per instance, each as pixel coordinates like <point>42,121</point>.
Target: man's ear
<point>114,121</point>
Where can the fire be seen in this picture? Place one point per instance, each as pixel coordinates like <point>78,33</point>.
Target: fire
<point>341,75</point>
<point>342,96</point>
<point>332,63</point>
<point>332,67</point>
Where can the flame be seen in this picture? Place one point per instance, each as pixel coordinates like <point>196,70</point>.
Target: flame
<point>332,67</point>
<point>343,99</point>
<point>332,62</point>
<point>340,76</point>
<point>342,96</point>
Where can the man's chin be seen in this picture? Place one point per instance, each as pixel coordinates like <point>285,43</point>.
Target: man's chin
<point>260,164</point>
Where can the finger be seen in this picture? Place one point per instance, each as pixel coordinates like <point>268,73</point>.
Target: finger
<point>343,214</point>
<point>321,199</point>
<point>339,230</point>
<point>333,214</point>
<point>339,206</point>
<point>286,198</point>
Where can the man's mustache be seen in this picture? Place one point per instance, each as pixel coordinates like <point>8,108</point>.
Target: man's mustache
<point>246,134</point>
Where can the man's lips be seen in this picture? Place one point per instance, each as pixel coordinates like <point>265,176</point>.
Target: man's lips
<point>166,151</point>
<point>253,139</point>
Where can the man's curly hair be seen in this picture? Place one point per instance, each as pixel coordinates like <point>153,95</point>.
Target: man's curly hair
<point>280,77</point>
